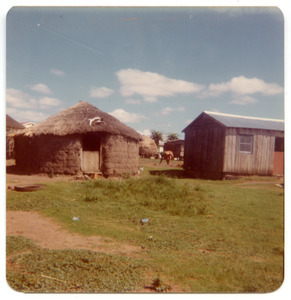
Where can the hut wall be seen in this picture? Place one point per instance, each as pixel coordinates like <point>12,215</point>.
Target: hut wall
<point>259,162</point>
<point>10,153</point>
<point>204,151</point>
<point>119,155</point>
<point>48,154</point>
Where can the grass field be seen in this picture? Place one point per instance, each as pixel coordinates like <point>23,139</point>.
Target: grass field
<point>201,235</point>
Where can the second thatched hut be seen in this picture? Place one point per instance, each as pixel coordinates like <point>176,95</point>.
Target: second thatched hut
<point>80,139</point>
<point>147,147</point>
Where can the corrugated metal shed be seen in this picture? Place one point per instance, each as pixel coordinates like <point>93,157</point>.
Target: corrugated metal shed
<point>237,121</point>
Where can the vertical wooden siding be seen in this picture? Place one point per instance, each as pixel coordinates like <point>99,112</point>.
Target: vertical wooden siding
<point>259,162</point>
<point>204,148</point>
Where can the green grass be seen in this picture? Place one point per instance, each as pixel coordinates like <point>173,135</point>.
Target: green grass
<point>70,270</point>
<point>75,271</point>
<point>205,236</point>
<point>18,244</point>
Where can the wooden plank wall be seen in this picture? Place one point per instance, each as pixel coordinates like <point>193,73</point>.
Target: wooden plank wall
<point>204,148</point>
<point>259,162</point>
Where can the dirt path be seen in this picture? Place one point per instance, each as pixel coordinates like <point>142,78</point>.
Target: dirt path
<point>47,234</point>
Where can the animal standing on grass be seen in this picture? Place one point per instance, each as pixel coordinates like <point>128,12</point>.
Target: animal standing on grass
<point>167,155</point>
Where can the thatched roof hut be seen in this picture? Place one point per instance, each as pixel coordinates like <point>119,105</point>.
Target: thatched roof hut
<point>12,124</point>
<point>81,138</point>
<point>147,147</point>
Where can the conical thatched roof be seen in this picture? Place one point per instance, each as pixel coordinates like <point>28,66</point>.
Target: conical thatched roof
<point>147,146</point>
<point>11,123</point>
<point>78,120</point>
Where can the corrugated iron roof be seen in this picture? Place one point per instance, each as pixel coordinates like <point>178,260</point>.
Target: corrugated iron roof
<point>247,122</point>
<point>237,121</point>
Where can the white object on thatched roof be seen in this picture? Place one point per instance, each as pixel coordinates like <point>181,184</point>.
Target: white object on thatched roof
<point>94,121</point>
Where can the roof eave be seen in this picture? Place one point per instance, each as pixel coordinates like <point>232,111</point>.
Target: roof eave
<point>199,117</point>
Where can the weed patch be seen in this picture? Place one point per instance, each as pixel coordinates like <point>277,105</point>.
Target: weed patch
<point>158,193</point>
<point>75,271</point>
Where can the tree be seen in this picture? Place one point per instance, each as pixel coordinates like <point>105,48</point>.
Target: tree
<point>157,136</point>
<point>172,136</point>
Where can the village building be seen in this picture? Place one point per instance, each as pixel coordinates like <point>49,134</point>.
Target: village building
<point>80,139</point>
<point>12,126</point>
<point>147,147</point>
<point>218,144</point>
<point>177,147</point>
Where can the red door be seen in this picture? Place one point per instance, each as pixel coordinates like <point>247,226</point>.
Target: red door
<point>278,168</point>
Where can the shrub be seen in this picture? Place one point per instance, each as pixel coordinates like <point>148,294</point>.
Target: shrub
<point>156,193</point>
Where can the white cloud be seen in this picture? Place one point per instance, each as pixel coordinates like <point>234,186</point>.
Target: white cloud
<point>145,132</point>
<point>169,110</point>
<point>245,86</point>
<point>26,116</point>
<point>102,92</point>
<point>242,89</point>
<point>19,99</point>
<point>41,88</point>
<point>48,101</point>
<point>24,107</point>
<point>126,117</point>
<point>58,72</point>
<point>152,85</point>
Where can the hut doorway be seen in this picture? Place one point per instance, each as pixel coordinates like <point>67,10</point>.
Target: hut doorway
<point>90,162</point>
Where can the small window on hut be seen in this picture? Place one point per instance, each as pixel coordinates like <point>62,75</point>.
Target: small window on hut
<point>246,143</point>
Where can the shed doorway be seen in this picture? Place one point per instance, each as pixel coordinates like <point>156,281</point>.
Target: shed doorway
<point>278,168</point>
<point>90,161</point>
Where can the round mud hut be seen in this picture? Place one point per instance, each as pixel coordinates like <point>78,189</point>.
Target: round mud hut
<point>147,147</point>
<point>79,140</point>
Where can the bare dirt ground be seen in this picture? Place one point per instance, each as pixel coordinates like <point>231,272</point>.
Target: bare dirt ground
<point>47,234</point>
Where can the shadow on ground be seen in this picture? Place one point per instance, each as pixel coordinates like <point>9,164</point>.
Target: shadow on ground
<point>173,173</point>
<point>15,171</point>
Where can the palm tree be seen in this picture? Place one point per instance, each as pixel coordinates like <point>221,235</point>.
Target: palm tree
<point>172,136</point>
<point>157,136</point>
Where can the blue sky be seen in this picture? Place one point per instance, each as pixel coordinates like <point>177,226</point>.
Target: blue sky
<point>152,68</point>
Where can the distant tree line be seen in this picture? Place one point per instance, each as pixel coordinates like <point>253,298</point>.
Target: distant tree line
<point>158,136</point>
